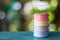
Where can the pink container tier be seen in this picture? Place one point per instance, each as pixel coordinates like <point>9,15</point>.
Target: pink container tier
<point>41,16</point>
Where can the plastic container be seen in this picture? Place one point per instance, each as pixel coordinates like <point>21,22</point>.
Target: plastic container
<point>40,25</point>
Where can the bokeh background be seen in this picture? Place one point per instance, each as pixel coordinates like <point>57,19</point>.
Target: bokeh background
<point>14,19</point>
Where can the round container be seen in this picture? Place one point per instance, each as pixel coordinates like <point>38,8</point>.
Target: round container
<point>41,16</point>
<point>41,23</point>
<point>41,33</point>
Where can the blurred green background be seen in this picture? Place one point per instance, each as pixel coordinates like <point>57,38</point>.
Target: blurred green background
<point>14,16</point>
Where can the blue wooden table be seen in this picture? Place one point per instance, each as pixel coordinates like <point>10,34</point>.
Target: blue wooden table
<point>27,36</point>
